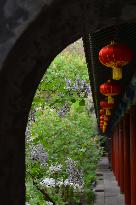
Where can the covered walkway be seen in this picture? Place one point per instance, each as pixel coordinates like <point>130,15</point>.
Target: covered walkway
<point>107,189</point>
<point>116,116</point>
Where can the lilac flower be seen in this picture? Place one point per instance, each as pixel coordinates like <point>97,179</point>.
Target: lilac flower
<point>38,154</point>
<point>49,203</point>
<point>75,186</point>
<point>75,87</point>
<point>94,184</point>
<point>66,182</point>
<point>75,175</point>
<point>88,89</point>
<point>48,182</point>
<point>77,84</point>
<point>63,110</point>
<point>51,182</point>
<point>55,169</point>
<point>82,84</point>
<point>68,83</point>
<point>59,183</point>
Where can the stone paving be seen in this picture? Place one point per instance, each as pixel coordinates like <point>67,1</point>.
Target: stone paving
<point>107,189</point>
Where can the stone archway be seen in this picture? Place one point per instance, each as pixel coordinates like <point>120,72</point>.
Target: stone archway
<point>56,24</point>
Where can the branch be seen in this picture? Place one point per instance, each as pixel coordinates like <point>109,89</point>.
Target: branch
<point>46,195</point>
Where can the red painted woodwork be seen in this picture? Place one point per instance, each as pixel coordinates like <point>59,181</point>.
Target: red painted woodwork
<point>117,154</point>
<point>118,157</point>
<point>133,153</point>
<point>121,156</point>
<point>127,181</point>
<point>113,154</point>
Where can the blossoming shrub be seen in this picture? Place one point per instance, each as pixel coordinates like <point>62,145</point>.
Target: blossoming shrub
<point>63,153</point>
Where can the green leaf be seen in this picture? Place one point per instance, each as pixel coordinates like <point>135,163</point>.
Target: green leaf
<point>73,100</point>
<point>82,102</point>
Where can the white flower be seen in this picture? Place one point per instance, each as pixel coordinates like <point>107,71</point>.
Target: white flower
<point>68,183</point>
<point>49,203</point>
<point>48,182</point>
<point>77,187</point>
<point>59,183</point>
<point>54,169</point>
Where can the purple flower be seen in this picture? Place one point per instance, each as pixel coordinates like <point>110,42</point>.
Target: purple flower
<point>88,89</point>
<point>38,154</point>
<point>68,83</point>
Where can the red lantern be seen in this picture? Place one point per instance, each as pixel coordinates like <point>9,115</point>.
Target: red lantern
<point>101,122</point>
<point>115,56</point>
<point>105,123</point>
<point>102,112</point>
<point>110,89</point>
<point>101,125</point>
<point>104,118</point>
<point>107,106</point>
<point>103,128</point>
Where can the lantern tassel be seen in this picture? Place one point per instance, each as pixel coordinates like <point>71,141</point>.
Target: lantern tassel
<point>108,112</point>
<point>104,129</point>
<point>105,123</point>
<point>117,73</point>
<point>110,99</point>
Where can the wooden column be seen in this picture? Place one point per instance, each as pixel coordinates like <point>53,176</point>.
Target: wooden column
<point>121,156</point>
<point>113,153</point>
<point>133,153</point>
<point>118,156</point>
<point>127,181</point>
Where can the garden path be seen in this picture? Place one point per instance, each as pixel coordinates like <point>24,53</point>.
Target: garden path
<point>107,189</point>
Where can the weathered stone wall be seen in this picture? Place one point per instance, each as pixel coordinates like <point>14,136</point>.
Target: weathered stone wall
<point>32,33</point>
<point>15,16</point>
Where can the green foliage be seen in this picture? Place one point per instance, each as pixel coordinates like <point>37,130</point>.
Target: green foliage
<point>60,123</point>
<point>52,89</point>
